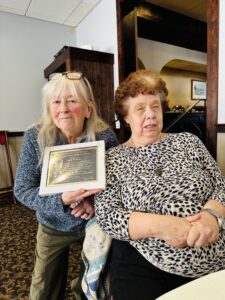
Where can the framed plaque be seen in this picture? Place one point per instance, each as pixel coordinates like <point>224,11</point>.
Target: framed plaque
<point>73,166</point>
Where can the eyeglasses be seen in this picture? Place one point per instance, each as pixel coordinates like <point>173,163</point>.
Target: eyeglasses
<point>72,75</point>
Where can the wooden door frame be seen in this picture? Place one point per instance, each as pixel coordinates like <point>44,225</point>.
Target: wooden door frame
<point>212,68</point>
<point>212,75</point>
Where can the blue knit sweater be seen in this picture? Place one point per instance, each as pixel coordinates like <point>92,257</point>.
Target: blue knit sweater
<point>50,210</point>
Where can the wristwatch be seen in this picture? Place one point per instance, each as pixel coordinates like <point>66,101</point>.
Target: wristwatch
<point>218,216</point>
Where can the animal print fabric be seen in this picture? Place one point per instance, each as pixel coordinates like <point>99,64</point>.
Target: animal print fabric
<point>176,176</point>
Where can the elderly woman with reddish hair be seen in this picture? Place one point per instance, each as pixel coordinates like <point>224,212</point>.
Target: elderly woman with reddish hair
<point>164,204</point>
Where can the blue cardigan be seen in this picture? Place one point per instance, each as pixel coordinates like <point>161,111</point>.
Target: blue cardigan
<point>50,210</point>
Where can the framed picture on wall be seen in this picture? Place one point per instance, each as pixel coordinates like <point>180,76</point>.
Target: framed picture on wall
<point>198,89</point>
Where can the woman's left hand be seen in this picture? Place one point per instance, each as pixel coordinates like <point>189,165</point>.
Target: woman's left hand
<point>84,209</point>
<point>204,230</point>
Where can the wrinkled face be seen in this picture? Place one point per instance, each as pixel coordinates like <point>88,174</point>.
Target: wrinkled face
<point>69,113</point>
<point>145,117</point>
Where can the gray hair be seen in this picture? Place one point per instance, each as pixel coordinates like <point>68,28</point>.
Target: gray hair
<point>80,88</point>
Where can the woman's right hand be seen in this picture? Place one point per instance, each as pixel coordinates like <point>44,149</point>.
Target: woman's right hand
<point>205,230</point>
<point>77,196</point>
<point>175,231</point>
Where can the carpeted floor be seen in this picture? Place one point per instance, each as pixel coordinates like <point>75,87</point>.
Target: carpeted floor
<point>18,228</point>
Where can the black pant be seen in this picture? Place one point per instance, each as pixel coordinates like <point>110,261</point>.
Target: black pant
<point>132,277</point>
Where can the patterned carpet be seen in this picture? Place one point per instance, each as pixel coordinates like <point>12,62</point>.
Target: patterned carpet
<point>18,228</point>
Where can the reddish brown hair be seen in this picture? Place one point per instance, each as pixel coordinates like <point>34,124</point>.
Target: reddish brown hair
<point>139,82</point>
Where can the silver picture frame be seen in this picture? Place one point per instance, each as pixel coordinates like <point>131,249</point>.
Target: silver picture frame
<point>73,166</point>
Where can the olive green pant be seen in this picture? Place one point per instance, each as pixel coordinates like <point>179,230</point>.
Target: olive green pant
<point>51,264</point>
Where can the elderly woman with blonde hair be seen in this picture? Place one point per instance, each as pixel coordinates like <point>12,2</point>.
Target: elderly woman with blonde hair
<point>69,116</point>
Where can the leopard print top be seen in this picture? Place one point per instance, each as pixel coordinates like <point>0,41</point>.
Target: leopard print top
<point>173,177</point>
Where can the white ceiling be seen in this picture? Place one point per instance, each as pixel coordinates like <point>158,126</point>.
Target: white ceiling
<point>72,12</point>
<point>67,12</point>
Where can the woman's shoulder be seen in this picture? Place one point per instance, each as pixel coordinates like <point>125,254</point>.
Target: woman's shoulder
<point>32,130</point>
<point>31,133</point>
<point>116,153</point>
<point>116,160</point>
<point>107,132</point>
<point>185,141</point>
<point>184,137</point>
<point>109,136</point>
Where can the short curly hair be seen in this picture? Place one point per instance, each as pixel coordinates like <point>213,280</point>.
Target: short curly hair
<point>139,82</point>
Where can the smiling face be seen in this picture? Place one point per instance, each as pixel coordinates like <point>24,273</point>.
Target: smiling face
<point>69,114</point>
<point>144,115</point>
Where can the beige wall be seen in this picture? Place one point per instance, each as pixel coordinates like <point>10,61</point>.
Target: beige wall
<point>155,55</point>
<point>15,144</point>
<point>179,85</point>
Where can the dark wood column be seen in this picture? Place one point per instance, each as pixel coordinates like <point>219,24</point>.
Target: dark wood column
<point>212,75</point>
